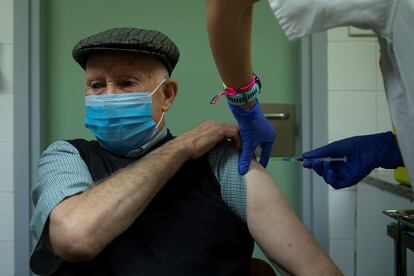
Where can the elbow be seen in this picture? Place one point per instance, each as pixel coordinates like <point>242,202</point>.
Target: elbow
<point>74,250</point>
<point>69,242</point>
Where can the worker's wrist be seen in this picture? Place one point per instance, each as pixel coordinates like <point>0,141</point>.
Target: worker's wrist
<point>250,105</point>
<point>243,96</point>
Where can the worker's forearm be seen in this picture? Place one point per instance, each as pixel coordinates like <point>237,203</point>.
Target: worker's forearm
<point>100,214</point>
<point>229,26</point>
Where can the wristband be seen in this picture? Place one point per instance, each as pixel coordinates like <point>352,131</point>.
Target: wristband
<point>242,95</point>
<point>246,97</point>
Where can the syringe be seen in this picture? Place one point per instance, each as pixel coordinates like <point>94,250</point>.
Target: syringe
<point>327,159</point>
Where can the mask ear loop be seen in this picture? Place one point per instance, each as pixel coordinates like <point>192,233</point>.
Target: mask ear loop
<point>159,85</point>
<point>163,113</point>
<point>159,122</point>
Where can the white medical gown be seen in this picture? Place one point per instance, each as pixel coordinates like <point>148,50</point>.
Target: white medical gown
<point>393,22</point>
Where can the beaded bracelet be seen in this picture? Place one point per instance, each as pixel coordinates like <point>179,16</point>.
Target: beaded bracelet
<point>242,95</point>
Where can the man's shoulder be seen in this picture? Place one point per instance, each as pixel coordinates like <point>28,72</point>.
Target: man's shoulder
<point>60,145</point>
<point>224,149</point>
<point>64,147</point>
<point>224,157</point>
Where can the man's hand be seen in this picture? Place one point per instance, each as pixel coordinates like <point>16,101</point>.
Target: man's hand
<point>363,154</point>
<point>206,135</point>
<point>255,130</point>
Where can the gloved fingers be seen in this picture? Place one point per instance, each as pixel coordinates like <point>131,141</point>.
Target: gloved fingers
<point>344,175</point>
<point>333,180</point>
<point>265,155</point>
<point>271,133</point>
<point>317,166</point>
<point>336,176</point>
<point>307,164</point>
<point>245,159</point>
<point>324,151</point>
<point>325,169</point>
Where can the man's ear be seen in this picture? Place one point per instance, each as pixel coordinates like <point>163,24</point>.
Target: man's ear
<point>169,92</point>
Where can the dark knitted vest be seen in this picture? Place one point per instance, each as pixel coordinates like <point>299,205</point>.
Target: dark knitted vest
<point>187,229</point>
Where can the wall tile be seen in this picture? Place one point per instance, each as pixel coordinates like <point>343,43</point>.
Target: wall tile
<point>341,34</point>
<point>351,113</point>
<point>7,258</point>
<point>6,216</point>
<point>383,113</point>
<point>374,248</point>
<point>338,34</point>
<point>341,215</point>
<point>342,253</point>
<point>6,117</point>
<point>6,168</point>
<point>6,21</point>
<point>351,66</point>
<point>360,33</point>
<point>6,68</point>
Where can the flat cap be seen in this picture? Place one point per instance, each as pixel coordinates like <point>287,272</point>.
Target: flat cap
<point>132,40</point>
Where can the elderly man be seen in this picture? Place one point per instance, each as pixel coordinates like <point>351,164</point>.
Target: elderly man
<point>138,201</point>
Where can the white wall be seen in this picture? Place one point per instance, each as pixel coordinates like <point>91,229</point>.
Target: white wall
<point>6,139</point>
<point>356,105</point>
<point>375,249</point>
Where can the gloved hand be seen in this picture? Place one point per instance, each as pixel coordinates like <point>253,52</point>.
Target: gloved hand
<point>255,130</point>
<point>363,154</point>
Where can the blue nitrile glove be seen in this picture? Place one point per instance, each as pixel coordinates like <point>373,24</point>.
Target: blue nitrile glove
<point>363,154</point>
<point>255,130</point>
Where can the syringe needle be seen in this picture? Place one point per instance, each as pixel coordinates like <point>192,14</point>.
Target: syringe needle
<point>327,159</point>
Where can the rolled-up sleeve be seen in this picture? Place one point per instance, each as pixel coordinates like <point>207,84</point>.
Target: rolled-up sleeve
<point>61,173</point>
<point>224,160</point>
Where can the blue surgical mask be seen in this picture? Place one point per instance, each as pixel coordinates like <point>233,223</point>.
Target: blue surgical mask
<point>121,122</point>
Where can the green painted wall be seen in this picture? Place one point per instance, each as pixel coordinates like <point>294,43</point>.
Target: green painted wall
<point>275,61</point>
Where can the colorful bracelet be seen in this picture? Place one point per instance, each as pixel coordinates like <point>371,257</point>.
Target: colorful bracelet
<point>246,97</point>
<point>242,95</point>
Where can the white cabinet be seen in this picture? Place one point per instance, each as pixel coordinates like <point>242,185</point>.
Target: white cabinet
<point>374,248</point>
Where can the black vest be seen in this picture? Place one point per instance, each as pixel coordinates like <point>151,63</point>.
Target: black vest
<point>187,229</point>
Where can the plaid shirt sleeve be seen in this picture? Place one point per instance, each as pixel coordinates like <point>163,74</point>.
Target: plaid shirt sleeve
<point>61,173</point>
<point>224,160</point>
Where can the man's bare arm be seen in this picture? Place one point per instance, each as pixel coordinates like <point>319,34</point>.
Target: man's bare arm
<point>81,226</point>
<point>278,231</point>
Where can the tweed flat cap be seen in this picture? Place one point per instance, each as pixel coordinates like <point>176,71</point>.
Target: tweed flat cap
<point>131,40</point>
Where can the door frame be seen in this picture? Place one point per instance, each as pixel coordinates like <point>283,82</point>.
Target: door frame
<point>29,124</point>
<point>314,131</point>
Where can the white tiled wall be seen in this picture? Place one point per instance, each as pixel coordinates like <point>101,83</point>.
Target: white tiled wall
<point>356,105</point>
<point>6,139</point>
<point>375,252</point>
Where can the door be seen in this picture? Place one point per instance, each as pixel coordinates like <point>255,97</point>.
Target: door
<point>275,61</point>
